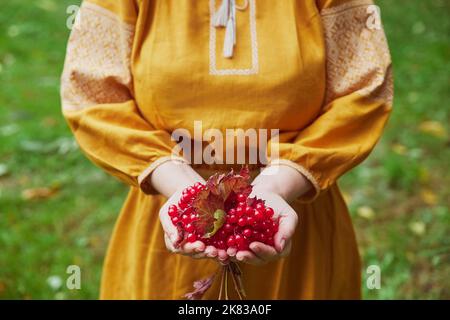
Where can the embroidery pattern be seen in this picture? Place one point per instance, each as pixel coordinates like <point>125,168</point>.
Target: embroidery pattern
<point>97,67</point>
<point>357,57</point>
<point>254,42</point>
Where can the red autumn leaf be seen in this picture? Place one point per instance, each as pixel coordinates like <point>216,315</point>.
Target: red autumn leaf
<point>213,197</point>
<point>206,203</point>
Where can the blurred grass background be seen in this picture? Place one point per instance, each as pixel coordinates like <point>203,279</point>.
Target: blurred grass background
<point>57,209</point>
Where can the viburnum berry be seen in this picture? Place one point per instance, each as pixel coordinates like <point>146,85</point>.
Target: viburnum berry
<point>192,191</point>
<point>250,221</point>
<point>260,206</point>
<point>269,212</point>
<point>222,234</point>
<point>182,204</point>
<point>185,219</point>
<point>249,211</point>
<point>231,241</point>
<point>189,228</point>
<point>173,211</point>
<point>228,227</point>
<point>242,221</point>
<point>242,205</point>
<point>241,197</point>
<point>221,244</point>
<point>247,233</point>
<point>232,218</point>
<point>238,239</point>
<point>261,237</point>
<point>191,237</point>
<point>264,225</point>
<point>259,216</point>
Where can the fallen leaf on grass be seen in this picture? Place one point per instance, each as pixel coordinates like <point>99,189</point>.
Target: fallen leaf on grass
<point>418,228</point>
<point>429,197</point>
<point>433,128</point>
<point>39,193</point>
<point>3,170</point>
<point>399,149</point>
<point>366,212</point>
<point>424,175</point>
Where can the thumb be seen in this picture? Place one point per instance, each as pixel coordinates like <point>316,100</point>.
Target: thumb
<point>286,229</point>
<point>169,228</point>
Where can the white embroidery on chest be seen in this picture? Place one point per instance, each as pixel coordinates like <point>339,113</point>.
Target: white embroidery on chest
<point>254,68</point>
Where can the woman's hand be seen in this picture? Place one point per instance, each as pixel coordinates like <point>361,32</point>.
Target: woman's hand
<point>261,253</point>
<point>170,179</point>
<point>276,187</point>
<point>197,249</point>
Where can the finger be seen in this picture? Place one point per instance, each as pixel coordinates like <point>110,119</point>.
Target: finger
<point>168,226</point>
<point>193,247</point>
<point>169,244</point>
<point>248,257</point>
<point>211,252</point>
<point>231,252</point>
<point>222,255</point>
<point>263,251</point>
<point>286,230</point>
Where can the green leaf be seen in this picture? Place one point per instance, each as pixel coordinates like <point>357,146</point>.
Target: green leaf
<point>213,198</point>
<point>219,216</point>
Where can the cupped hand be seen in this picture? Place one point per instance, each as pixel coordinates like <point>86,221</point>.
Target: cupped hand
<point>261,253</point>
<point>197,249</point>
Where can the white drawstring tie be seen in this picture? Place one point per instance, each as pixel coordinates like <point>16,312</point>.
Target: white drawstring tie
<point>226,17</point>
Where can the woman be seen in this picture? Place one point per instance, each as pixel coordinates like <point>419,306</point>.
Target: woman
<point>317,70</point>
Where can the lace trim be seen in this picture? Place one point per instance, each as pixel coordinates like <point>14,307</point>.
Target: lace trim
<point>358,58</point>
<point>97,66</point>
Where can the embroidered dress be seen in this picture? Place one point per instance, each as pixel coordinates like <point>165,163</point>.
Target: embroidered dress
<point>318,70</point>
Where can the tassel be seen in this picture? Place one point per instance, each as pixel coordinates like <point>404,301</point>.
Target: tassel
<point>220,18</point>
<point>230,40</point>
<point>230,33</point>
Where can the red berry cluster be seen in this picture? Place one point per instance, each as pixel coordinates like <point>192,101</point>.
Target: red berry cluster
<point>183,215</point>
<point>247,220</point>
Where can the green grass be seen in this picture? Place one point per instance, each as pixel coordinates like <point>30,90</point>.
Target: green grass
<point>399,198</point>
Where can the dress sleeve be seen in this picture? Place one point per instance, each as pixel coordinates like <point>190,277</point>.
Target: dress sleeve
<point>97,95</point>
<point>358,98</point>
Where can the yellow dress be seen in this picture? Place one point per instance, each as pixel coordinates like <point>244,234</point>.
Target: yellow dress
<point>317,70</point>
